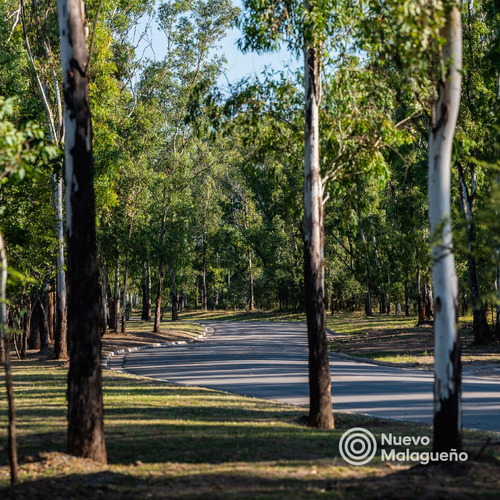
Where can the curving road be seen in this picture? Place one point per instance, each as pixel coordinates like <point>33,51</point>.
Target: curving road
<point>269,361</point>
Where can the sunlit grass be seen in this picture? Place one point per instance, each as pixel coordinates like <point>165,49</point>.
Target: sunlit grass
<point>181,442</point>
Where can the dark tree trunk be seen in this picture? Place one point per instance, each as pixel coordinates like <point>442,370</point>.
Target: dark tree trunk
<point>49,307</point>
<point>480,328</point>
<point>251,299</point>
<point>44,332</point>
<point>156,327</point>
<point>124,303</point>
<point>196,292</point>
<point>104,299</point>
<point>146,293</point>
<point>111,301</point>
<point>175,306</point>
<point>407,298</point>
<point>429,306</point>
<point>204,298</point>
<point>85,405</point>
<point>12,445</point>
<point>116,298</point>
<point>26,325</point>
<point>34,337</point>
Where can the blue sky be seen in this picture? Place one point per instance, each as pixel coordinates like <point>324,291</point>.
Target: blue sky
<point>238,65</point>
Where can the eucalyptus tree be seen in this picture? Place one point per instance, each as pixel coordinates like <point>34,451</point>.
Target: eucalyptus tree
<point>447,367</point>
<point>85,405</point>
<point>39,27</point>
<point>192,29</point>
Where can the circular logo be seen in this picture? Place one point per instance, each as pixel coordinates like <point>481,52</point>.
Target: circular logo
<point>357,446</point>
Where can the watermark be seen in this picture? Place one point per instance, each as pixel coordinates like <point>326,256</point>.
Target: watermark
<point>358,446</point>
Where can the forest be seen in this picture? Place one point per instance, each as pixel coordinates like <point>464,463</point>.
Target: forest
<point>363,179</point>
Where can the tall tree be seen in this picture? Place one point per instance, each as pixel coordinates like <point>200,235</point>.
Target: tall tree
<point>85,405</point>
<point>447,366</point>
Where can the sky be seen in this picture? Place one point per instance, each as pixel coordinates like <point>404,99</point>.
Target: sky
<point>238,65</point>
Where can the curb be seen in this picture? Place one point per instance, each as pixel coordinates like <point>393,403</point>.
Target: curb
<point>126,350</point>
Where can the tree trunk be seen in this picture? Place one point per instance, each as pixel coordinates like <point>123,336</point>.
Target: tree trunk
<point>85,405</point>
<point>12,445</point>
<point>61,333</point>
<point>407,298</point>
<point>104,299</point>
<point>196,292</point>
<point>204,301</point>
<point>250,282</point>
<point>124,303</point>
<point>26,328</point>
<point>49,307</point>
<point>156,327</point>
<point>146,293</point>
<point>111,300</point>
<point>320,408</point>
<point>175,306</point>
<point>44,331</point>
<point>116,300</point>
<point>429,304</point>
<point>480,328</point>
<point>447,364</point>
<point>34,337</point>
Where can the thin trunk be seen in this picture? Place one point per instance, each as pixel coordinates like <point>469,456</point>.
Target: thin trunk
<point>34,336</point>
<point>196,292</point>
<point>175,308</point>
<point>116,300</point>
<point>480,328</point>
<point>104,298</point>
<point>26,328</point>
<point>44,331</point>
<point>250,272</point>
<point>8,371</point>
<point>447,364</point>
<point>85,405</point>
<point>146,293</point>
<point>204,301</point>
<point>320,408</point>
<point>111,300</point>
<point>124,298</point>
<point>407,298</point>
<point>156,328</point>
<point>61,333</point>
<point>49,307</point>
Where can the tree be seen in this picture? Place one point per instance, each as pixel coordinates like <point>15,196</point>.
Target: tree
<point>85,406</point>
<point>447,366</point>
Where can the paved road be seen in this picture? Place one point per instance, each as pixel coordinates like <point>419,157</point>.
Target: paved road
<point>269,360</point>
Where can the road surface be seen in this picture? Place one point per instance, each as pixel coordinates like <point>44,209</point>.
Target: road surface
<point>269,361</point>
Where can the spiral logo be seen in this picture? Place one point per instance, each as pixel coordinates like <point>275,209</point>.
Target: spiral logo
<point>357,446</point>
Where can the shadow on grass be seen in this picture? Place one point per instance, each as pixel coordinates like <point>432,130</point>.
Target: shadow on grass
<point>452,481</point>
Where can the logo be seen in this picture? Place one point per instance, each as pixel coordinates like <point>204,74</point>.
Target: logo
<point>357,446</point>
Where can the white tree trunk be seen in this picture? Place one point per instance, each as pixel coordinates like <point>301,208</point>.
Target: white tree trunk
<point>320,401</point>
<point>447,390</point>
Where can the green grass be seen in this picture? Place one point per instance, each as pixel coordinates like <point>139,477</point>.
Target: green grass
<point>167,441</point>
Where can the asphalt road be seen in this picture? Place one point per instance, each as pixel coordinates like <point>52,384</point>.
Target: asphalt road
<point>269,361</point>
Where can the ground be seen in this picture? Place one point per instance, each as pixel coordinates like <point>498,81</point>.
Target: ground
<point>166,441</point>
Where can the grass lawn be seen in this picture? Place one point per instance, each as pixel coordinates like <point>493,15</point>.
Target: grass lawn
<point>167,441</point>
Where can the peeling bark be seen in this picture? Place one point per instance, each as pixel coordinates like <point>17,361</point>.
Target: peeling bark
<point>447,376</point>
<point>320,406</point>
<point>85,405</point>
